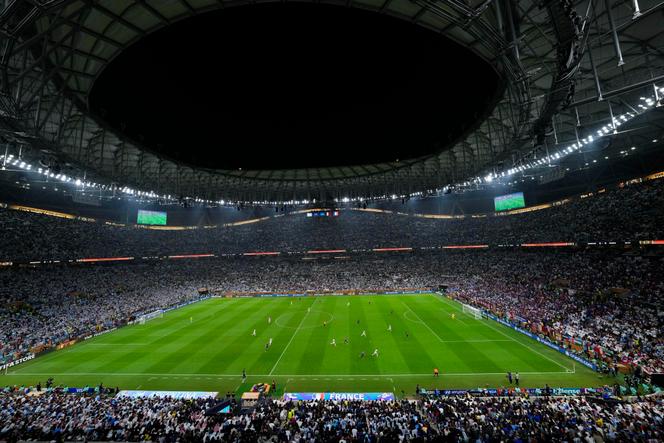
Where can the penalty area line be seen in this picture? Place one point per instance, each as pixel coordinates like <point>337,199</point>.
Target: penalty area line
<point>525,345</point>
<point>424,323</point>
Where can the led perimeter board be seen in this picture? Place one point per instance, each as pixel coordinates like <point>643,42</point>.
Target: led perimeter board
<point>509,201</point>
<point>151,218</point>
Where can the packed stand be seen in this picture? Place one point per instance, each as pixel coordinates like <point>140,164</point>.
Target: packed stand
<point>545,419</point>
<point>603,306</point>
<point>57,416</point>
<point>633,213</point>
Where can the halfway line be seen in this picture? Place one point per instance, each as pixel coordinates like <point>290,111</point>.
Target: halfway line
<point>293,336</point>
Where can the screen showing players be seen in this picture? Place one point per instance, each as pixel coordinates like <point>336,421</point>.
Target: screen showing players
<point>151,218</point>
<point>509,201</point>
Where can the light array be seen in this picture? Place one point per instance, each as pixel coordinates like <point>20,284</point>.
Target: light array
<point>611,128</point>
<point>646,103</point>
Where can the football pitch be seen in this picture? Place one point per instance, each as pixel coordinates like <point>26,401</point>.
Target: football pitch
<point>206,345</point>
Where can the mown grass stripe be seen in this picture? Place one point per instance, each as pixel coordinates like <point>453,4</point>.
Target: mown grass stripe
<point>209,353</point>
<point>292,337</point>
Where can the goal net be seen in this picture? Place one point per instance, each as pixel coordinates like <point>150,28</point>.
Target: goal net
<point>477,313</point>
<point>145,317</point>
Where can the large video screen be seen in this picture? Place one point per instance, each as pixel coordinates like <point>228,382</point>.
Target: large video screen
<point>151,217</point>
<point>509,201</point>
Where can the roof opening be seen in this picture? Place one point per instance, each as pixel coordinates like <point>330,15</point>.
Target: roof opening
<point>280,86</point>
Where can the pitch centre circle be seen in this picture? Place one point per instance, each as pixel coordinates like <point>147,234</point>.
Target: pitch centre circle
<point>291,320</point>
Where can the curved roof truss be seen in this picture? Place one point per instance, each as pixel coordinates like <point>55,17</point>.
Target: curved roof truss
<point>565,65</point>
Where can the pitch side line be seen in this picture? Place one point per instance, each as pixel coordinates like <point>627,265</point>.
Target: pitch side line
<point>292,336</point>
<point>523,344</point>
<point>452,305</point>
<point>529,348</point>
<point>293,376</point>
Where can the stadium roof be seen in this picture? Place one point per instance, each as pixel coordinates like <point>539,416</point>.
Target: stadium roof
<point>570,68</point>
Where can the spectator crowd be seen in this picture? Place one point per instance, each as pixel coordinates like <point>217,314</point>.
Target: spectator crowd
<point>61,417</point>
<point>570,419</point>
<point>633,213</point>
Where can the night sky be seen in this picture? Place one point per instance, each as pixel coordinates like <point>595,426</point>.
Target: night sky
<point>277,86</point>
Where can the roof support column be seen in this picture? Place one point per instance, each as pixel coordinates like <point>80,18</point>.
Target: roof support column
<point>598,87</point>
<point>614,33</point>
<point>514,40</point>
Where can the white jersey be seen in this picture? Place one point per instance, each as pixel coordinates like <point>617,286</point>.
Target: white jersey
<point>363,334</point>
<point>334,342</point>
<point>375,352</point>
<point>389,328</point>
<point>270,341</point>
<point>254,333</point>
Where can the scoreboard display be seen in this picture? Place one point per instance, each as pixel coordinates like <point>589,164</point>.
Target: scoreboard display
<point>509,201</point>
<point>323,214</point>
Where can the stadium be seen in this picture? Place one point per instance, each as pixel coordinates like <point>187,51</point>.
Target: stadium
<point>362,221</point>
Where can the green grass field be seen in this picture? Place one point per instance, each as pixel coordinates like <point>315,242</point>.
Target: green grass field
<point>205,346</point>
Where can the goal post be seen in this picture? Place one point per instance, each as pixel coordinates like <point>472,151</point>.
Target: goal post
<point>475,312</point>
<point>149,316</point>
